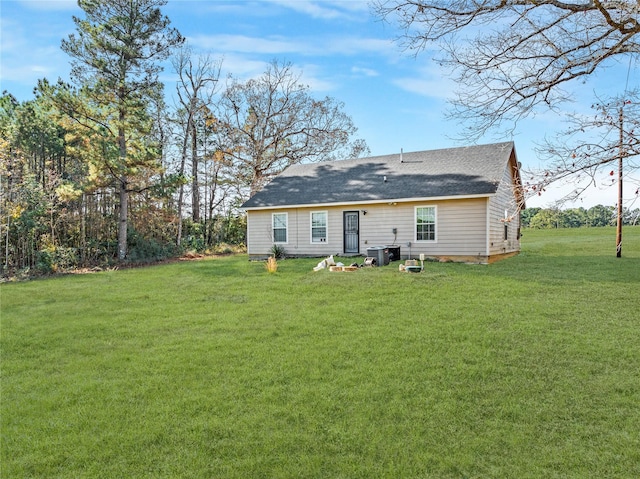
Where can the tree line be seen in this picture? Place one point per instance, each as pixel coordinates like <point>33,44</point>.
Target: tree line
<point>102,169</point>
<point>599,215</point>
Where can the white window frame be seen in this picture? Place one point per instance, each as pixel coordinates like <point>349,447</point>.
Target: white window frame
<point>286,227</point>
<point>326,227</point>
<point>506,226</point>
<point>435,224</point>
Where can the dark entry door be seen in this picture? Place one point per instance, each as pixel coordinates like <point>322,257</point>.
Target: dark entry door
<point>351,232</point>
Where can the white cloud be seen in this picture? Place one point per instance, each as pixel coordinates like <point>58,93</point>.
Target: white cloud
<point>312,75</point>
<point>347,45</point>
<point>25,59</point>
<point>244,44</point>
<point>277,45</point>
<point>10,41</point>
<point>362,71</point>
<point>242,67</point>
<point>312,9</point>
<point>326,10</point>
<point>428,82</point>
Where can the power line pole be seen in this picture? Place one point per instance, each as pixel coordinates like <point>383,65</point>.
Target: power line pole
<point>620,157</point>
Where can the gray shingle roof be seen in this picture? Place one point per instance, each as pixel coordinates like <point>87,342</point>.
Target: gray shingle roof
<point>465,171</point>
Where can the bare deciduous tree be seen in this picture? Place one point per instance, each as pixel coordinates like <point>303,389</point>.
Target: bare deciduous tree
<point>509,56</point>
<point>604,145</point>
<point>271,122</point>
<point>587,152</point>
<point>196,87</point>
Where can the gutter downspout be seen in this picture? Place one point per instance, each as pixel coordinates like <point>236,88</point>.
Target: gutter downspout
<point>487,229</point>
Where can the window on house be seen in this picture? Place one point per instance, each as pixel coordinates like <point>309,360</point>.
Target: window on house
<point>279,222</point>
<point>506,225</point>
<point>319,227</point>
<point>426,223</point>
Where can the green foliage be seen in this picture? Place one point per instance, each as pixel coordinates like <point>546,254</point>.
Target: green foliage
<point>28,221</point>
<point>599,215</point>
<point>217,369</point>
<point>527,214</point>
<point>193,237</point>
<point>144,249</point>
<point>573,218</point>
<point>8,106</point>
<point>168,185</point>
<point>116,59</point>
<point>233,229</point>
<point>39,132</point>
<point>227,248</point>
<point>99,253</point>
<point>545,219</point>
<point>54,259</point>
<point>278,251</point>
<point>230,230</point>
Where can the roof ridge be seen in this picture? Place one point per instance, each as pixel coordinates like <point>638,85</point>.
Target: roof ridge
<point>402,154</point>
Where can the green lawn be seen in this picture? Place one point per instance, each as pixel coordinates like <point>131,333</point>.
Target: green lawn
<point>527,368</point>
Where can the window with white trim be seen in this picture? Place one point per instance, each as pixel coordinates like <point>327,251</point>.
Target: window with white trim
<point>279,224</point>
<point>319,226</point>
<point>425,223</point>
<point>506,225</point>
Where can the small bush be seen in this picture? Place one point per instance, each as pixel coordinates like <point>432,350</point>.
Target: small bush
<point>278,251</point>
<point>271,264</point>
<point>147,250</point>
<point>227,248</point>
<point>53,259</point>
<point>192,242</point>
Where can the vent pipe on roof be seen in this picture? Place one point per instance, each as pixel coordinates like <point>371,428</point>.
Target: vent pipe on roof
<point>401,161</point>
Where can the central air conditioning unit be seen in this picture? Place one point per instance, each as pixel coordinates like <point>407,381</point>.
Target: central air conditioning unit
<point>380,253</point>
<point>394,252</point>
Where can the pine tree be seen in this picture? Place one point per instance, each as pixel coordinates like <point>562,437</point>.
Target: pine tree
<point>116,58</point>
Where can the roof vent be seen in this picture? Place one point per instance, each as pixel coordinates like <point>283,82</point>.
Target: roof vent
<point>409,160</point>
<point>385,178</point>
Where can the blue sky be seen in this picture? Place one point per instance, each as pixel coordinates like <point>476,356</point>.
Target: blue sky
<point>395,99</point>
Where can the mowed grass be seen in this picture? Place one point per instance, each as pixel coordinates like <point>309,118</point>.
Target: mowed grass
<point>527,368</point>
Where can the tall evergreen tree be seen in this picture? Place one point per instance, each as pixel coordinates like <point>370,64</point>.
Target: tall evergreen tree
<point>116,56</point>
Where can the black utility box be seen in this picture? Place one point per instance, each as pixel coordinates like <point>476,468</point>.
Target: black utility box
<point>394,252</point>
<point>380,253</point>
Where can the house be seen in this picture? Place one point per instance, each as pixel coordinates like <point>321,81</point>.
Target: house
<point>459,204</point>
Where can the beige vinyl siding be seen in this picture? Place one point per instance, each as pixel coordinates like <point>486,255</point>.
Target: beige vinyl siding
<point>504,200</point>
<point>259,236</point>
<point>460,229</point>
